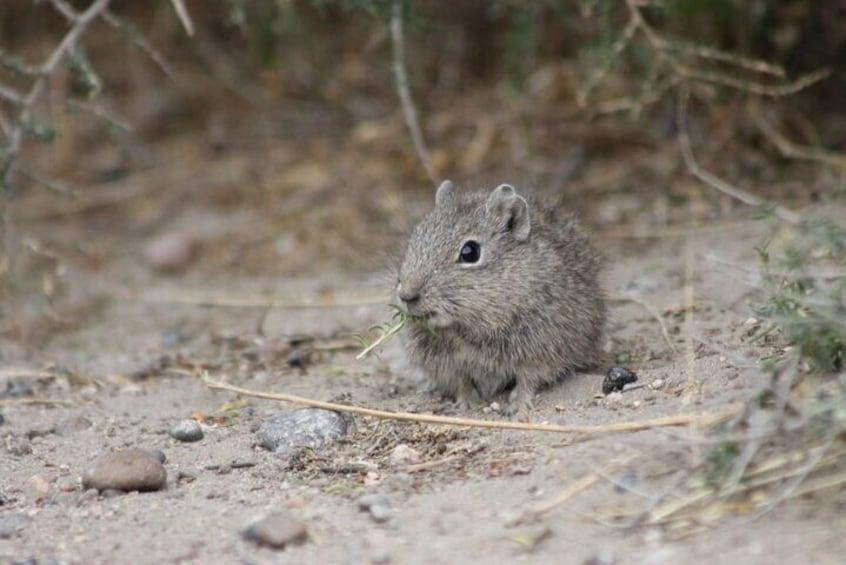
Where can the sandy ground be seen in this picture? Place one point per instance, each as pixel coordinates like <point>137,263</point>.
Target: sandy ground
<point>469,497</point>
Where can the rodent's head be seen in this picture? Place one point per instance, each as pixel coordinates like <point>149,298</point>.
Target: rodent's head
<point>465,263</point>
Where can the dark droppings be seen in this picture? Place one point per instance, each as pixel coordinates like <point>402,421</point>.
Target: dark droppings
<point>616,378</point>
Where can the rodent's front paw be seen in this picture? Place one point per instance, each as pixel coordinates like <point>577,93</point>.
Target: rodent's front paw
<point>520,403</point>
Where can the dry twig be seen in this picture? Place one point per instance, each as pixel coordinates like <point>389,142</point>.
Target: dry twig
<point>701,420</point>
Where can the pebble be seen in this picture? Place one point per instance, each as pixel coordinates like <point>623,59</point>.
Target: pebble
<point>187,431</point>
<point>17,388</point>
<point>288,432</point>
<point>403,454</point>
<point>277,530</point>
<point>169,253</point>
<point>128,470</point>
<point>12,523</point>
<point>657,383</point>
<point>377,506</point>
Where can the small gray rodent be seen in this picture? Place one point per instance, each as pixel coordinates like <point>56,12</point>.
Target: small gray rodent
<point>502,292</point>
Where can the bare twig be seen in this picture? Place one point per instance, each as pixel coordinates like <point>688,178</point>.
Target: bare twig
<point>617,427</point>
<point>401,76</point>
<point>68,42</point>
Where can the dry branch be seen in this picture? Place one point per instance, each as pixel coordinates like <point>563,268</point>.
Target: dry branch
<point>401,76</point>
<point>699,420</point>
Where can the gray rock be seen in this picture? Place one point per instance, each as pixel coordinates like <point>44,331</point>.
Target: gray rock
<point>377,506</point>
<point>187,430</point>
<point>277,530</point>
<point>128,470</point>
<point>288,432</point>
<point>12,523</point>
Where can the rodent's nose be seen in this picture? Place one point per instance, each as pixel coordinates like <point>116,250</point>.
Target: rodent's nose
<point>409,296</point>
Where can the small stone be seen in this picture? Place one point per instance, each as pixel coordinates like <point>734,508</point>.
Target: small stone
<point>72,425</point>
<point>300,357</point>
<point>288,432</point>
<point>188,474</point>
<point>170,252</point>
<point>377,506</point>
<point>12,523</point>
<point>277,530</point>
<point>657,383</point>
<point>17,446</point>
<point>17,388</point>
<point>66,485</point>
<point>403,454</point>
<point>187,431</point>
<point>128,470</point>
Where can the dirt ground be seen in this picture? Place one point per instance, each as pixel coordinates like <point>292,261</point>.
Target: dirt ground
<point>102,351</point>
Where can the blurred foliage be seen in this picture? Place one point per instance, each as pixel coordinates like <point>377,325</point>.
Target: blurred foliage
<point>804,290</point>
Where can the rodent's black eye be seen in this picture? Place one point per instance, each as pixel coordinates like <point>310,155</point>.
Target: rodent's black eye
<point>470,252</point>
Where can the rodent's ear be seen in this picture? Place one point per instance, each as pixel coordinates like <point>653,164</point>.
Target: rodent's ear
<point>511,210</point>
<point>445,193</point>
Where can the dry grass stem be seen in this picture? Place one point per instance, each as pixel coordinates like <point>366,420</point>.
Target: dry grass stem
<point>700,420</point>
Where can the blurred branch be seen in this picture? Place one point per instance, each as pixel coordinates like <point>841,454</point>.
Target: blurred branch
<point>184,16</point>
<point>80,24</point>
<point>401,76</point>
<point>790,150</point>
<point>708,178</point>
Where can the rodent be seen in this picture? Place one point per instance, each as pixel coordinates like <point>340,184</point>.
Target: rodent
<point>502,291</point>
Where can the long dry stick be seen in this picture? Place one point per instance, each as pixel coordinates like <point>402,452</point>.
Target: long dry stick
<point>617,427</point>
<point>401,76</point>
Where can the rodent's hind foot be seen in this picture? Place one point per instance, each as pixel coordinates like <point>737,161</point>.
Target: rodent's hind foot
<point>467,396</point>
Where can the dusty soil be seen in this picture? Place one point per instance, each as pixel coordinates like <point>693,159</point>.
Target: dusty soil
<point>97,335</point>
